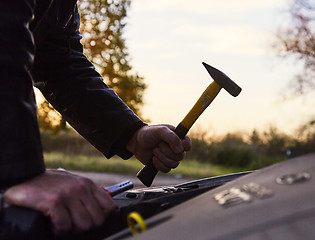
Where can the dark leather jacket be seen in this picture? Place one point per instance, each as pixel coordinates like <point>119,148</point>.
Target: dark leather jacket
<point>40,45</point>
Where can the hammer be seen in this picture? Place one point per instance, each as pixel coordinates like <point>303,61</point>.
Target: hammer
<point>149,171</point>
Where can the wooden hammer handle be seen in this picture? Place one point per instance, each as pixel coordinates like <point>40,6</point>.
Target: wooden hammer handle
<point>147,174</point>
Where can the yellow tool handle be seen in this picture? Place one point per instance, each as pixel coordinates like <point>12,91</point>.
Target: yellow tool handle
<point>147,174</point>
<point>203,102</point>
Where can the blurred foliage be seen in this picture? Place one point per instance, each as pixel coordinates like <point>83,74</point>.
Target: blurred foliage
<point>306,136</point>
<point>233,151</point>
<point>102,27</point>
<point>298,39</point>
<point>254,150</point>
<point>68,142</point>
<point>192,169</point>
<point>49,119</point>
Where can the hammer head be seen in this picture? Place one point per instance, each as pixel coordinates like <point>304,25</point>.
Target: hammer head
<point>223,80</point>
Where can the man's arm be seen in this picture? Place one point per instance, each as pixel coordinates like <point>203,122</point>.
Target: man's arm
<point>20,147</point>
<point>72,202</point>
<point>71,84</point>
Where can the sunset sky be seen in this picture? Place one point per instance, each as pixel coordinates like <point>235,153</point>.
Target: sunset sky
<point>169,39</point>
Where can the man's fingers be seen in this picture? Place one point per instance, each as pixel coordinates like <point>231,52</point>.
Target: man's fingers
<point>104,200</point>
<point>89,215</point>
<point>165,162</point>
<point>89,209</point>
<point>81,218</point>
<point>170,137</point>
<point>59,215</point>
<point>96,205</point>
<point>68,211</point>
<point>164,151</point>
<point>96,212</point>
<point>186,143</point>
<point>160,165</point>
<point>177,145</point>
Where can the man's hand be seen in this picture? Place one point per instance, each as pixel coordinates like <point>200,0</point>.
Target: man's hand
<point>161,144</point>
<point>73,203</point>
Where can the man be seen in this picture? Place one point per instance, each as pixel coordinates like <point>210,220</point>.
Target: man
<point>40,44</point>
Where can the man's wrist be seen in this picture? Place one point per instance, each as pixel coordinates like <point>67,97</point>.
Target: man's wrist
<point>131,145</point>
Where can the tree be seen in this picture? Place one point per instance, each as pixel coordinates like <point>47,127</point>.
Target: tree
<point>298,39</point>
<point>306,134</point>
<point>275,142</point>
<point>48,118</point>
<point>102,26</point>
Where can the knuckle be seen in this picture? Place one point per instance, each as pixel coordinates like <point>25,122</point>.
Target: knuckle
<point>76,189</point>
<point>81,186</point>
<point>55,199</point>
<point>187,144</point>
<point>164,128</point>
<point>167,131</point>
<point>87,181</point>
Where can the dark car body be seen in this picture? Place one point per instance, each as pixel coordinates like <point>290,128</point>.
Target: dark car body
<point>277,202</point>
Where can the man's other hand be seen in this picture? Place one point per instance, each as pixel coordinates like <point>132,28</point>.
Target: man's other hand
<point>73,203</point>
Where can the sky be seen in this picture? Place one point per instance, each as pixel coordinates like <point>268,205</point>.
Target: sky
<point>169,39</point>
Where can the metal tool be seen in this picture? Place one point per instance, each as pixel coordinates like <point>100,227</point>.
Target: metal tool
<point>119,188</point>
<point>148,172</point>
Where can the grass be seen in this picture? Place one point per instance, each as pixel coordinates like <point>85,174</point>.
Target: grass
<point>187,168</point>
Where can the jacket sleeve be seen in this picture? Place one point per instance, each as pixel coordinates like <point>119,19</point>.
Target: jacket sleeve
<point>20,147</point>
<point>70,83</point>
